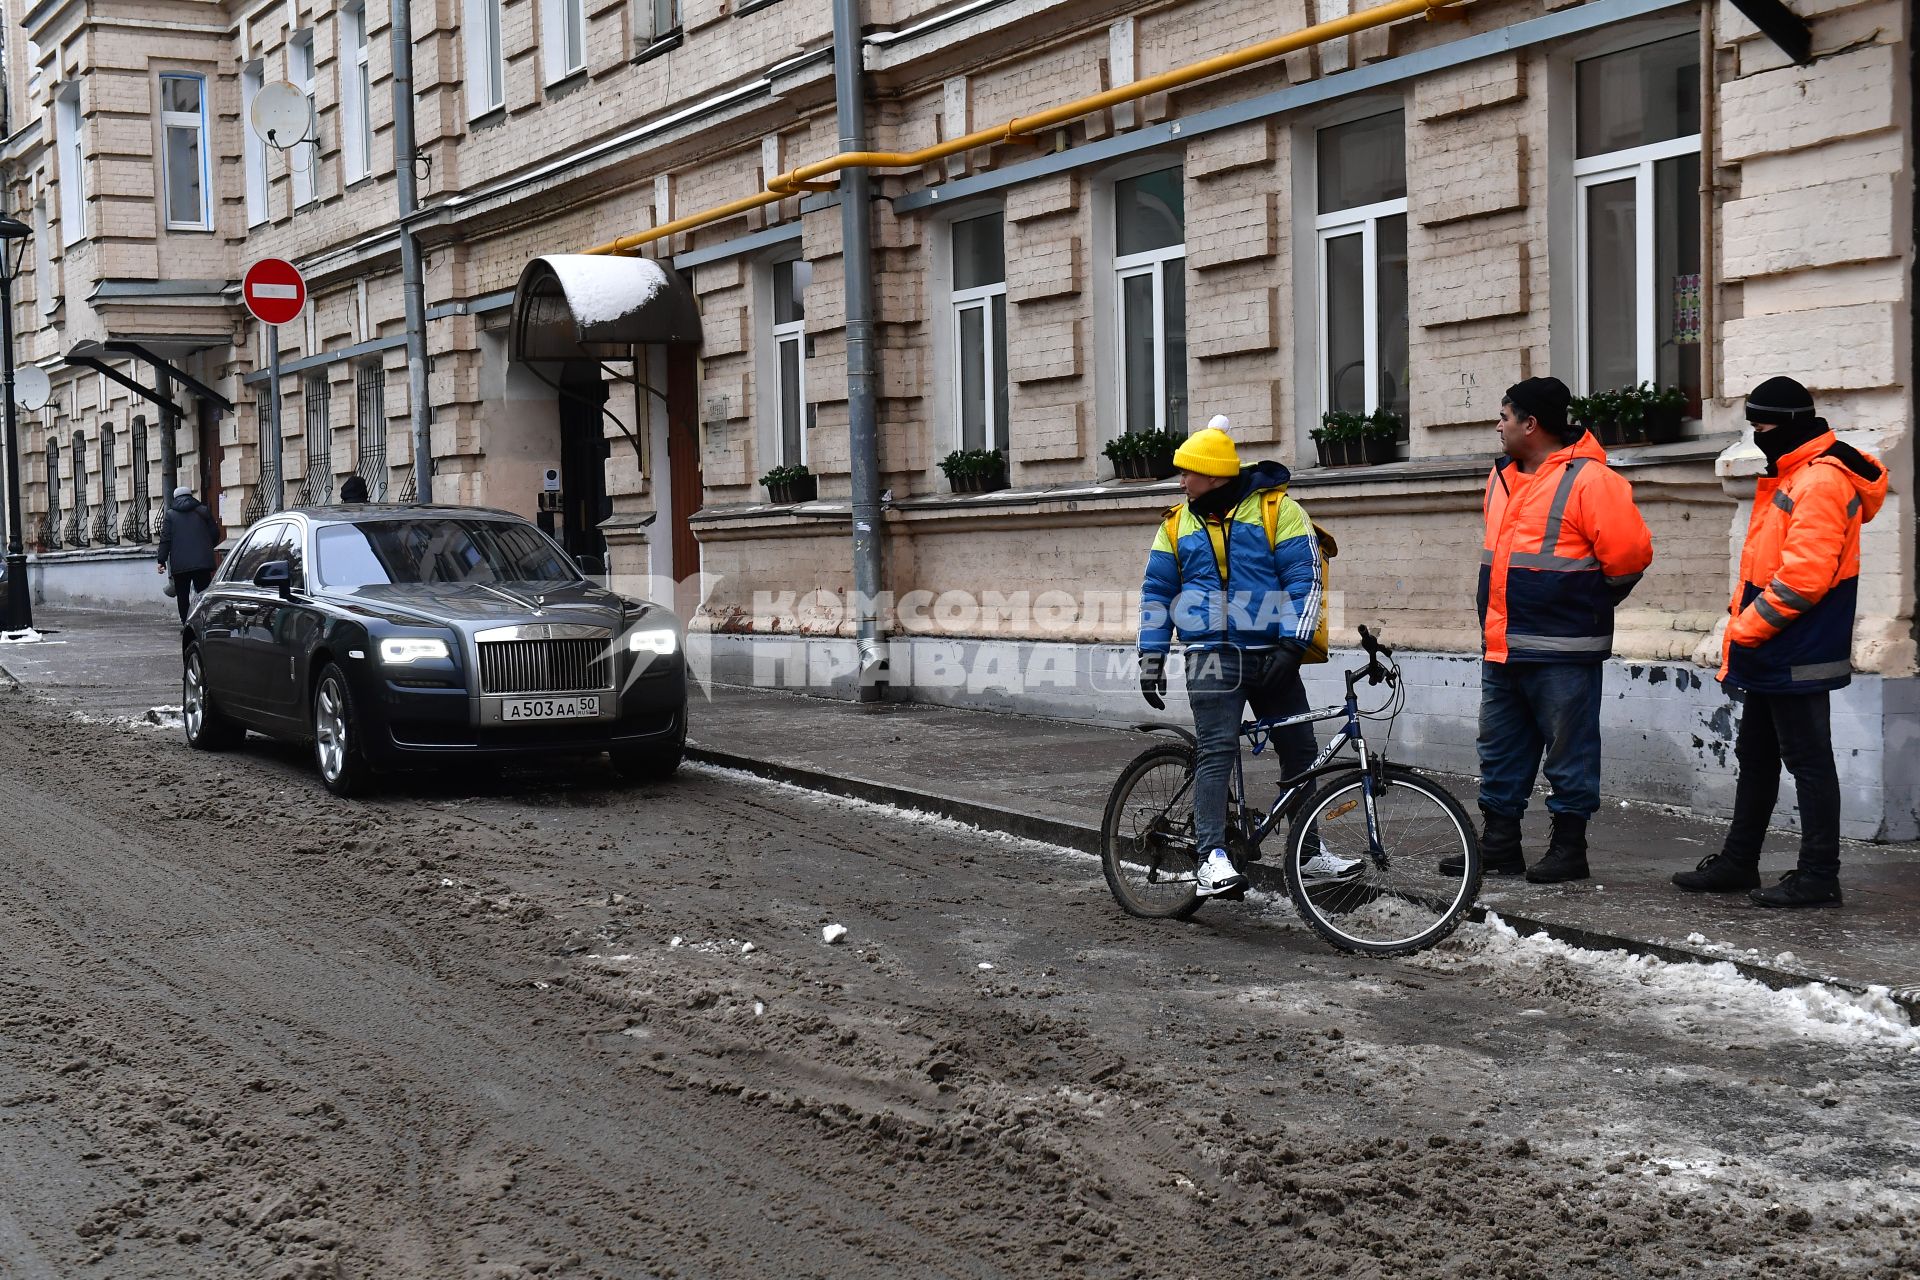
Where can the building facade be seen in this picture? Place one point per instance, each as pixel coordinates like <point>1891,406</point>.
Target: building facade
<point>1390,226</point>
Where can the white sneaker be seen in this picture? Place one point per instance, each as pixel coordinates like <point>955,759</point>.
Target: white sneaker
<point>1217,876</point>
<point>1324,868</point>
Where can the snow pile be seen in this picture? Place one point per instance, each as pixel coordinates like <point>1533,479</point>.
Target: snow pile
<point>27,636</point>
<point>1714,993</point>
<point>833,933</point>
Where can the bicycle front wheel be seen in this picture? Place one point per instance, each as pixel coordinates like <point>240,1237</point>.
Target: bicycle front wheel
<point>1386,899</point>
<point>1147,842</point>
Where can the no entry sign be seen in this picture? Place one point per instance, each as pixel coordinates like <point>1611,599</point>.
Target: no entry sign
<point>274,290</point>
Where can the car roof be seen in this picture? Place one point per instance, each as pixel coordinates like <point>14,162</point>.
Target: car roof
<point>356,512</point>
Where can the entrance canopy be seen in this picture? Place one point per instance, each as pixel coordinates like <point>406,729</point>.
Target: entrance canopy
<point>579,306</point>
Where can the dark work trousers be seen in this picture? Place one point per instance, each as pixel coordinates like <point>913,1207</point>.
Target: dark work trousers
<point>185,584</point>
<point>1795,730</point>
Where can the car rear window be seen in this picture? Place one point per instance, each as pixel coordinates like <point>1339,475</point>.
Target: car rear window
<point>400,552</point>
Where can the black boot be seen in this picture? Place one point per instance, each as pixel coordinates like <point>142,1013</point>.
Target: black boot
<point>1800,889</point>
<point>1500,853</point>
<point>1719,873</point>
<point>1566,854</point>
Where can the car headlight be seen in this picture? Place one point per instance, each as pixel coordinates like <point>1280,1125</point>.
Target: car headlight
<point>659,641</point>
<point>400,650</point>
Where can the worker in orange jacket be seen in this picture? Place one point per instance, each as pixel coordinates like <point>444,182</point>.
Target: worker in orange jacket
<point>1564,545</point>
<point>1789,643</point>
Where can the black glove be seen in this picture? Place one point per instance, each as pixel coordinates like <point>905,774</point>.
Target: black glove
<point>1282,665</point>
<point>1153,679</point>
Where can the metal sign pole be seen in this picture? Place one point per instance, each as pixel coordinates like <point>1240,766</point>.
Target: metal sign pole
<point>277,497</point>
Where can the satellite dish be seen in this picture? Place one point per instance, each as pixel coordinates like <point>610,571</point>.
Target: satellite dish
<point>281,115</point>
<point>31,387</point>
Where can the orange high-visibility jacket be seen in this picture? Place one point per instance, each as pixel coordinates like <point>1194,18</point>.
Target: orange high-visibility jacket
<point>1563,547</point>
<point>1791,629</point>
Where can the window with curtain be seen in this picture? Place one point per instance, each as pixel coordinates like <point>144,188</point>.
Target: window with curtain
<point>979,302</point>
<point>1637,216</point>
<point>1360,227</point>
<point>1150,261</point>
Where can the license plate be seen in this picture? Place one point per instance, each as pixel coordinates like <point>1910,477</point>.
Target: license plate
<point>576,708</point>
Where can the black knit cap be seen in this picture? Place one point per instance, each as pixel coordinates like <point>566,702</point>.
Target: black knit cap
<point>1781,401</point>
<point>1543,399</point>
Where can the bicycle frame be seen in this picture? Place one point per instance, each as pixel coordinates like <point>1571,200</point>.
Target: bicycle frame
<point>1295,789</point>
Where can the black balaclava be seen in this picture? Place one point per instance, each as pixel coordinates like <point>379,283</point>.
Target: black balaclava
<point>1217,502</point>
<point>1788,406</point>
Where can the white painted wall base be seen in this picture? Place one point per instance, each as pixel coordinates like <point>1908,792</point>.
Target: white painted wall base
<point>114,577</point>
<point>1668,727</point>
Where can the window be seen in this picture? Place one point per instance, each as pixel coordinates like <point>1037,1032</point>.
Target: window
<point>136,525</point>
<point>1637,216</point>
<point>356,96</point>
<point>979,302</point>
<point>107,524</point>
<point>252,78</point>
<point>79,523</point>
<point>655,20</point>
<point>790,280</point>
<point>1150,257</point>
<point>1361,230</point>
<point>486,63</point>
<point>51,534</point>
<point>317,486</point>
<point>302,156</point>
<point>370,425</point>
<point>73,195</point>
<point>183,152</point>
<point>46,286</point>
<point>266,543</point>
<point>564,38</point>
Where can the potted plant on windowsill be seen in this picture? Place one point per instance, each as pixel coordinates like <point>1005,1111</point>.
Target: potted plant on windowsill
<point>790,484</point>
<point>975,470</point>
<point>1142,455</point>
<point>1357,439</point>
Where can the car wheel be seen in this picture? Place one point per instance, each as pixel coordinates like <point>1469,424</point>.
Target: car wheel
<point>336,736</point>
<point>206,728</point>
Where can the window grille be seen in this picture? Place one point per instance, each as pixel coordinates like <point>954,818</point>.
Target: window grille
<point>106,525</point>
<point>370,422</point>
<point>77,519</point>
<point>134,529</point>
<point>50,523</point>
<point>316,487</point>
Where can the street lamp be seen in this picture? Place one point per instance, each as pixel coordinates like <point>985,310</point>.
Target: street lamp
<point>18,613</point>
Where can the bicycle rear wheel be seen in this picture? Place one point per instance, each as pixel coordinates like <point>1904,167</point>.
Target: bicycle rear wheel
<point>1394,901</point>
<point>1146,835</point>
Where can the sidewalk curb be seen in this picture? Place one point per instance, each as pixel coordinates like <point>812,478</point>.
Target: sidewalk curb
<point>1086,839</point>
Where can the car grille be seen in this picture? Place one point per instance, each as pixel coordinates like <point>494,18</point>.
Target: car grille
<point>544,666</point>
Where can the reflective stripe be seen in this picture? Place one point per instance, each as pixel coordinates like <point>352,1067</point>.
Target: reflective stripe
<point>1789,597</point>
<point>1486,555</point>
<point>1560,644</point>
<point>1782,501</point>
<point>1820,671</point>
<point>1771,614</point>
<point>1541,560</point>
<point>1557,513</point>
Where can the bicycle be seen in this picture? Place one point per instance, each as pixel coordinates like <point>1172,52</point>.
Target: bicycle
<point>1394,902</point>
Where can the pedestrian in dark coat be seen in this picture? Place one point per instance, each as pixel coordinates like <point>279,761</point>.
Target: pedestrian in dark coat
<point>187,540</point>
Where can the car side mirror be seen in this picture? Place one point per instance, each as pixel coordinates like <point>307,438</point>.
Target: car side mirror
<point>591,565</point>
<point>275,575</point>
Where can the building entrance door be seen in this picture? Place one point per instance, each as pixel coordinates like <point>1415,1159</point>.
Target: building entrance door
<point>583,462</point>
<point>683,458</point>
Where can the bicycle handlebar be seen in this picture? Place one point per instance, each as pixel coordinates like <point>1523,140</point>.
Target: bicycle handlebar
<point>1375,671</point>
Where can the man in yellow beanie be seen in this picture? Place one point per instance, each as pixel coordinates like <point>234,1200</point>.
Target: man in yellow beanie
<point>1246,606</point>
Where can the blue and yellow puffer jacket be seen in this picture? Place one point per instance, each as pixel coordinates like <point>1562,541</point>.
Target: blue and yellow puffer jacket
<point>1268,595</point>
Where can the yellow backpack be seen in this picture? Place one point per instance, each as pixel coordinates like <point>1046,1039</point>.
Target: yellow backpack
<point>1270,501</point>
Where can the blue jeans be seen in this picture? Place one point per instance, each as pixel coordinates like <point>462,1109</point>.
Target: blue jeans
<point>1530,708</point>
<point>1219,686</point>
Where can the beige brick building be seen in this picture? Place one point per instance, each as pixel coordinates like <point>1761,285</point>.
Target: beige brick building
<point>1404,220</point>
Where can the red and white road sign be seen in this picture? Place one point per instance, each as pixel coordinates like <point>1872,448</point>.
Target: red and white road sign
<point>274,290</point>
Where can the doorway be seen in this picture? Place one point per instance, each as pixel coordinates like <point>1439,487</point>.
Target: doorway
<point>583,461</point>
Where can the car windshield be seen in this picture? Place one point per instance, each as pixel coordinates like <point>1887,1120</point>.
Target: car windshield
<point>438,550</point>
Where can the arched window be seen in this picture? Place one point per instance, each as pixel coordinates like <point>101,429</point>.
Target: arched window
<point>106,526</point>
<point>135,528</point>
<point>77,522</point>
<point>50,525</point>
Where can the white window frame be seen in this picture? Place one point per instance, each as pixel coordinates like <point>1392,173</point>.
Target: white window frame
<point>793,332</point>
<point>647,25</point>
<point>46,285</point>
<point>253,77</point>
<point>302,157</point>
<point>1363,221</point>
<point>72,164</point>
<point>562,20</point>
<point>1148,263</point>
<point>980,298</point>
<point>356,95</point>
<point>1636,164</point>
<point>197,121</point>
<point>486,62</point>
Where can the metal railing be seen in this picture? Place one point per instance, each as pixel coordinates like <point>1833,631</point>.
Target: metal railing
<point>370,428</point>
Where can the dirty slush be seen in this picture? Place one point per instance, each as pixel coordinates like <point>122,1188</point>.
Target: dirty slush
<point>569,1029</point>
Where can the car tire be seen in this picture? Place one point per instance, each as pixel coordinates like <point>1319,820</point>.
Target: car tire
<point>336,736</point>
<point>207,728</point>
<point>653,763</point>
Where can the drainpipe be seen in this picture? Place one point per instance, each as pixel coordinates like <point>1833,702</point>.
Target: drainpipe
<point>856,237</point>
<point>412,286</point>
